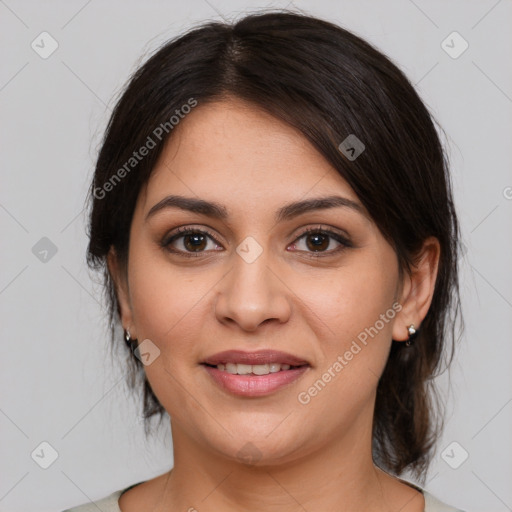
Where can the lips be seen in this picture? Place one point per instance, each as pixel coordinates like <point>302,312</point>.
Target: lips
<point>259,357</point>
<point>254,374</point>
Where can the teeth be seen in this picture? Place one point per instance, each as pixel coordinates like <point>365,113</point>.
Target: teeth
<point>231,368</point>
<point>261,369</point>
<point>256,369</point>
<point>274,367</point>
<point>243,369</point>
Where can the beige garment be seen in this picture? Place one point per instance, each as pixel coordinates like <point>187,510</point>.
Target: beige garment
<point>111,503</point>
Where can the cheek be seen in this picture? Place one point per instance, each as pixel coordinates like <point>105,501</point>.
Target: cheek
<point>352,299</point>
<point>167,303</point>
<point>169,308</point>
<point>354,312</point>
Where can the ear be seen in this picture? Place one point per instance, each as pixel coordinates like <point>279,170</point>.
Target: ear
<point>417,289</point>
<point>119,277</point>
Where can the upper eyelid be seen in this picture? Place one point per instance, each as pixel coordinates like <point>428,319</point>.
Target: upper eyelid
<point>325,229</point>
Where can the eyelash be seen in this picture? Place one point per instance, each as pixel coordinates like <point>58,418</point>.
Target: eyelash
<point>183,231</point>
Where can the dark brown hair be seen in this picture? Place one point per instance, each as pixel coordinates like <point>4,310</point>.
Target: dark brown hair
<point>328,83</point>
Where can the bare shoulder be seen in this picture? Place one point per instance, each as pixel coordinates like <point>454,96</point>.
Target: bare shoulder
<point>143,497</point>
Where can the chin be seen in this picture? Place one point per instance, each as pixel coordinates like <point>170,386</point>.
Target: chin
<point>259,449</point>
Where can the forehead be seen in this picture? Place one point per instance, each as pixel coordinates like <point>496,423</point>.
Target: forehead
<point>236,153</point>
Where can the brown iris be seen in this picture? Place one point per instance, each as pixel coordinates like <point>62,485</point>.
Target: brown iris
<point>319,242</point>
<point>194,242</point>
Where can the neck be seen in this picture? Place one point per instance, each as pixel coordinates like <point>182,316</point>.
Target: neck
<point>335,476</point>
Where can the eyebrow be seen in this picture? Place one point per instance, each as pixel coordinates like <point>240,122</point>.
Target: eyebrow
<point>287,212</point>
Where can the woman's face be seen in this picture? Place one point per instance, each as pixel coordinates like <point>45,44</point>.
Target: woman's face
<point>248,277</point>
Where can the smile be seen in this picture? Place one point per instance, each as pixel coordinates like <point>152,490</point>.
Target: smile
<point>253,374</point>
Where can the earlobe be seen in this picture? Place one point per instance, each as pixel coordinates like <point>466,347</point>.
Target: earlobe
<point>418,290</point>
<point>121,288</point>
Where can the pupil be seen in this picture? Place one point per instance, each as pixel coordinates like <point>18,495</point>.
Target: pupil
<point>318,242</point>
<point>197,242</point>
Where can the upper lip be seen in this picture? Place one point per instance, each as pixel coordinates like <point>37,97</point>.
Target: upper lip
<point>252,358</point>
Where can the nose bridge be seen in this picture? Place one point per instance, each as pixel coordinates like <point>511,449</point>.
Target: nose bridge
<point>251,293</point>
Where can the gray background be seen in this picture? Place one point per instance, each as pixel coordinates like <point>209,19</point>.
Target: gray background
<point>58,382</point>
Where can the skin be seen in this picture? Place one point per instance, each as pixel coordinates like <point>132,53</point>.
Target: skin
<point>316,455</point>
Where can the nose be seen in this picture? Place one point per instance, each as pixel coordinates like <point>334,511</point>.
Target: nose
<point>251,294</point>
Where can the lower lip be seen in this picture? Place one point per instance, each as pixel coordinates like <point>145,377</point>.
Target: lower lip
<point>254,385</point>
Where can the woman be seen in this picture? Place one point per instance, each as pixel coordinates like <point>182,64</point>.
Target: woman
<point>273,214</point>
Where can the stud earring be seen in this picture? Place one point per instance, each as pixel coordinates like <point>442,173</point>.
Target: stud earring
<point>128,338</point>
<point>412,334</point>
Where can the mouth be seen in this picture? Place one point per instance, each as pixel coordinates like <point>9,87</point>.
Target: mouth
<point>254,373</point>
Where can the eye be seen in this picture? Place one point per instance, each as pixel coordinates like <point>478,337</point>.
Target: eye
<point>321,241</point>
<point>189,241</point>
